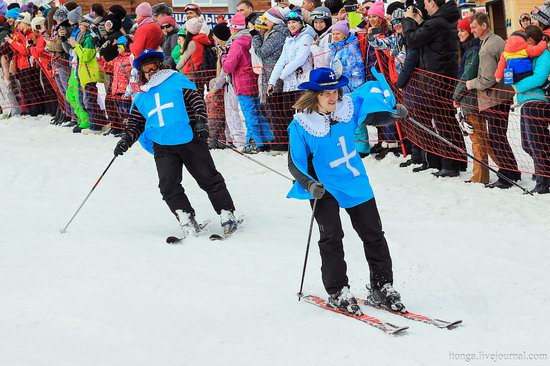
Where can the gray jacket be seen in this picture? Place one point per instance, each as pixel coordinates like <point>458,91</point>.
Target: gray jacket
<point>269,48</point>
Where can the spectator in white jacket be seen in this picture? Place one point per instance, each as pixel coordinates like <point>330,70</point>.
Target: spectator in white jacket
<point>295,63</point>
<point>320,50</point>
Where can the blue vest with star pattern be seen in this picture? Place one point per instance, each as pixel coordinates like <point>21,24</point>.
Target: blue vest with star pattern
<point>163,107</point>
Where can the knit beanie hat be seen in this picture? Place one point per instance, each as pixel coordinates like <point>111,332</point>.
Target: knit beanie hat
<point>3,7</point>
<point>464,24</point>
<point>61,14</point>
<point>394,6</point>
<point>37,21</point>
<point>119,11</point>
<point>75,15</point>
<point>14,5</point>
<point>24,17</point>
<point>181,32</point>
<point>13,13</point>
<point>86,20</point>
<point>168,19</point>
<point>161,8</point>
<point>341,26</point>
<point>274,15</point>
<point>194,25</point>
<point>221,31</point>
<point>144,10</point>
<point>377,9</point>
<point>45,9</point>
<point>542,13</point>
<point>237,22</point>
<point>295,15</point>
<point>113,22</point>
<point>397,14</point>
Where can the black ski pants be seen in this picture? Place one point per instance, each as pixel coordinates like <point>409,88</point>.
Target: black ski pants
<point>196,158</point>
<point>366,222</point>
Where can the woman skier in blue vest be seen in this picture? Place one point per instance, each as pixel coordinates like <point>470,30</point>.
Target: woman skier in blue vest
<point>169,118</point>
<point>327,168</point>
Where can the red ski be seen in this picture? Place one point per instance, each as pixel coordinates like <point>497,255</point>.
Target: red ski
<point>413,316</point>
<point>370,320</point>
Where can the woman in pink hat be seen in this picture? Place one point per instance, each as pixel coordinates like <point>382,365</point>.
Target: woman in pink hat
<point>148,33</point>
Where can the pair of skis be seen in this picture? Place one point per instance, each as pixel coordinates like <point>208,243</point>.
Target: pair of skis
<point>384,326</point>
<point>213,237</point>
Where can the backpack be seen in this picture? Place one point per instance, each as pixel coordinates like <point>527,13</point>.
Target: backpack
<point>210,60</point>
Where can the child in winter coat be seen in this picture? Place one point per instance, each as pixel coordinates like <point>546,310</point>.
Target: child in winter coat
<point>518,57</point>
<point>122,65</point>
<point>345,49</point>
<point>320,49</point>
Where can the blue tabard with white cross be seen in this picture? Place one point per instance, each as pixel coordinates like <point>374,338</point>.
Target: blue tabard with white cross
<point>163,107</point>
<point>336,161</point>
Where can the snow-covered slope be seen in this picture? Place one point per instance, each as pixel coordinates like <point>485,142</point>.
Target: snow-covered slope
<point>110,292</point>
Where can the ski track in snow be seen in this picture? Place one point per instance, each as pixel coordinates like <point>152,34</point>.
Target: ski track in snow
<point>111,292</point>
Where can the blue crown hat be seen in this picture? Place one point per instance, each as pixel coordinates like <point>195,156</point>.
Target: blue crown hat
<point>145,54</point>
<point>323,78</point>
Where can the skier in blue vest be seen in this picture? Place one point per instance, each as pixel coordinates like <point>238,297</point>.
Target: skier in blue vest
<point>327,168</point>
<point>169,118</point>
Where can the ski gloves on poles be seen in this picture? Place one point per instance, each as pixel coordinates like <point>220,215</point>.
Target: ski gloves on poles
<point>316,189</point>
<point>200,130</point>
<point>122,146</point>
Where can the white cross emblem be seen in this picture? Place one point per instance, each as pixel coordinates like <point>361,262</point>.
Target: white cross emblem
<point>332,76</point>
<point>159,109</point>
<point>346,158</point>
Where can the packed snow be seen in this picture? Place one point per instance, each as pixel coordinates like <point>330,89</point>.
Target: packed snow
<point>111,292</point>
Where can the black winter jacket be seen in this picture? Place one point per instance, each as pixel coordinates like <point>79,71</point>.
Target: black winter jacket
<point>436,40</point>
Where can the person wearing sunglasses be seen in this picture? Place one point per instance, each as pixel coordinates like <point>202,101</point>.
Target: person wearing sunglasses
<point>168,117</point>
<point>148,33</point>
<point>170,31</point>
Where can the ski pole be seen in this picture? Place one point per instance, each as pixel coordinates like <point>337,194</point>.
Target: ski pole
<point>251,159</point>
<point>447,142</point>
<point>64,230</point>
<point>301,294</point>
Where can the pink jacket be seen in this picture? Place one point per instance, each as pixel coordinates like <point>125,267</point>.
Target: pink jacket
<point>238,64</point>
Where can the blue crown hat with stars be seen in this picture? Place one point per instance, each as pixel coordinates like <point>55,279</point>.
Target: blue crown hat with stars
<point>324,78</point>
<point>145,54</point>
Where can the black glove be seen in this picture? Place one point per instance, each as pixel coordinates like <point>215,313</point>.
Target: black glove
<point>201,130</point>
<point>122,146</point>
<point>316,189</point>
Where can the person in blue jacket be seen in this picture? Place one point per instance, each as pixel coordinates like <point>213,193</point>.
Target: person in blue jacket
<point>329,172</point>
<point>169,118</point>
<point>535,114</point>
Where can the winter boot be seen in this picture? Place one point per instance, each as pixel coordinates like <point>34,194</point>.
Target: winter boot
<point>386,297</point>
<point>345,301</point>
<point>56,118</point>
<point>228,221</point>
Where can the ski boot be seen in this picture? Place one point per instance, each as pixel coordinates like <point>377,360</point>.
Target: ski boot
<point>229,222</point>
<point>386,297</point>
<point>345,301</point>
<point>187,223</point>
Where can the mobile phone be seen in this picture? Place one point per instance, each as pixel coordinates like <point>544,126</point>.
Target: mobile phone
<point>377,30</point>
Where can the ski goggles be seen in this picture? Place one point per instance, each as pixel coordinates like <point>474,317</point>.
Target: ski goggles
<point>150,67</point>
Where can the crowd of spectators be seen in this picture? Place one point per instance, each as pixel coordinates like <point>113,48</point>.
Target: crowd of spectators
<point>454,74</point>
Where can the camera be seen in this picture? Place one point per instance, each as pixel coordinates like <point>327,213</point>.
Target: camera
<point>350,8</point>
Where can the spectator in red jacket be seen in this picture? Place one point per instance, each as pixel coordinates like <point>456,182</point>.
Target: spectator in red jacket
<point>148,33</point>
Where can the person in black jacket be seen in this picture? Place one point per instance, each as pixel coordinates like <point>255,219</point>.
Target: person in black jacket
<point>437,44</point>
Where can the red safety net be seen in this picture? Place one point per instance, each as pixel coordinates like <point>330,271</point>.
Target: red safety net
<point>507,136</point>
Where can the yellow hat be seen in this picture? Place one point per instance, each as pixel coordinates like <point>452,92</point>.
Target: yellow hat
<point>260,22</point>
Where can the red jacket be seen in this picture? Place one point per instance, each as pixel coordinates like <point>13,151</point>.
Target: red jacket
<point>19,46</point>
<point>196,59</point>
<point>122,65</point>
<point>148,35</point>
